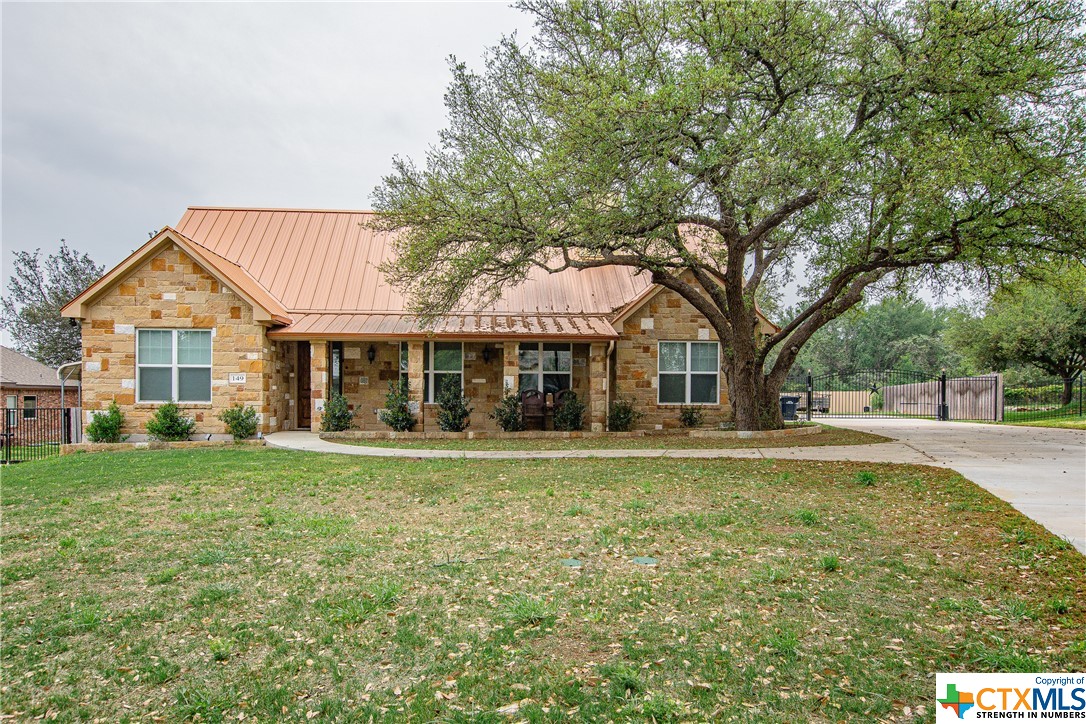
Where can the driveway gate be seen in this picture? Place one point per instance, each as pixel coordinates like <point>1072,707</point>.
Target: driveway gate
<point>898,393</point>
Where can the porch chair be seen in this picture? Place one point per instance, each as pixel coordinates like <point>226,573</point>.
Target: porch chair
<point>532,409</point>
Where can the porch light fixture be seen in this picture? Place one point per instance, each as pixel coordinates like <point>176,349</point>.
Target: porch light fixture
<point>371,354</point>
<point>486,355</point>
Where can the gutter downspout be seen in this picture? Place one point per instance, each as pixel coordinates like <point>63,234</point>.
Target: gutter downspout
<point>607,384</point>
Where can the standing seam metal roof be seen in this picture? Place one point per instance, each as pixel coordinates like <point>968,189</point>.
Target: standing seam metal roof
<point>322,266</point>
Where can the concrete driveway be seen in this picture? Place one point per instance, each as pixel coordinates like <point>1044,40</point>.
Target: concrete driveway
<point>1040,471</point>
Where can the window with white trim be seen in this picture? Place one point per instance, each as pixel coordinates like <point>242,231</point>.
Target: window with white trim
<point>442,360</point>
<point>10,404</point>
<point>173,364</point>
<point>30,407</point>
<point>688,373</point>
<point>546,366</point>
<point>405,356</point>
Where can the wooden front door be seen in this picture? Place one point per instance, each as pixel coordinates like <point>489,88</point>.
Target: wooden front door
<point>304,404</point>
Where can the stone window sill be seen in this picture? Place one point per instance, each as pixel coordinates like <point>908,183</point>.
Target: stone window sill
<point>182,405</point>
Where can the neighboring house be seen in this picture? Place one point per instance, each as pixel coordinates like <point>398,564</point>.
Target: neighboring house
<point>280,308</point>
<point>28,387</point>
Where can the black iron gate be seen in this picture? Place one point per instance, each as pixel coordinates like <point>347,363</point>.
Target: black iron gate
<point>896,394</point>
<point>33,434</point>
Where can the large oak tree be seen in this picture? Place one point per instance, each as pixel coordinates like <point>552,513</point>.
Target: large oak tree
<point>712,145</point>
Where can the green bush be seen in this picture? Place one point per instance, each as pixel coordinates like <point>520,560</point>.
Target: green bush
<point>570,414</point>
<point>169,424</point>
<point>337,414</point>
<point>106,426</point>
<point>240,420</point>
<point>1027,395</point>
<point>453,410</point>
<point>396,413</point>
<point>509,414</point>
<point>691,416</point>
<point>622,416</point>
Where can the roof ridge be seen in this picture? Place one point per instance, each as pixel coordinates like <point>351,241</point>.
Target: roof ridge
<point>281,208</point>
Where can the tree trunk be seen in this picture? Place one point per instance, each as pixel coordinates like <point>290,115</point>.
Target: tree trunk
<point>755,404</point>
<point>1068,391</point>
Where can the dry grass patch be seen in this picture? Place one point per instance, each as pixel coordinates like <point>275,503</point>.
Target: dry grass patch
<point>209,584</point>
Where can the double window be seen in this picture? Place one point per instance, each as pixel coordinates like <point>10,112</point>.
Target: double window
<point>689,373</point>
<point>173,364</point>
<point>546,366</point>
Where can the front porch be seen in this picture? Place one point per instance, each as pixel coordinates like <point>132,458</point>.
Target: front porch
<point>307,373</point>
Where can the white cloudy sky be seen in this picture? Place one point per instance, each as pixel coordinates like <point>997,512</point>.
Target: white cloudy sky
<point>118,116</point>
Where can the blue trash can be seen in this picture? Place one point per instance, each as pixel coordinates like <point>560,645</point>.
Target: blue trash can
<point>789,403</point>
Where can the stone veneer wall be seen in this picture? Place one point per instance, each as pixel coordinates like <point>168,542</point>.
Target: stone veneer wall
<point>365,384</point>
<point>666,317</point>
<point>171,291</point>
<point>283,394</point>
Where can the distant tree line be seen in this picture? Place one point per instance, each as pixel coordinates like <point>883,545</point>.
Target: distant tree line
<point>1031,329</point>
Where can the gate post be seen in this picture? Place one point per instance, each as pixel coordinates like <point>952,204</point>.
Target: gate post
<point>943,409</point>
<point>810,394</point>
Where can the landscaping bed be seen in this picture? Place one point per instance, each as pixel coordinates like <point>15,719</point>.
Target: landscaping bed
<point>154,445</point>
<point>257,584</point>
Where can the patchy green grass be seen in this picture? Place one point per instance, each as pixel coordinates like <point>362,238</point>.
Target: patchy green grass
<point>828,436</point>
<point>1077,422</point>
<point>211,584</point>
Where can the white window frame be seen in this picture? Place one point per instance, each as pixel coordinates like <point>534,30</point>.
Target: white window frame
<point>687,374</point>
<point>11,409</point>
<point>174,366</point>
<point>33,410</point>
<point>539,372</point>
<point>429,372</point>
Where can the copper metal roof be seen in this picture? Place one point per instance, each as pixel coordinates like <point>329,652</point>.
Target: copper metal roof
<point>322,266</point>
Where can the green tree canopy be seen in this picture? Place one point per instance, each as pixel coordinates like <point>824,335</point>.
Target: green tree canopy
<point>711,144</point>
<point>1042,324</point>
<point>30,311</point>
<point>893,333</point>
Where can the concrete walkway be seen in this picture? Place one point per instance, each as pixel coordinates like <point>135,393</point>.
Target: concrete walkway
<point>1040,471</point>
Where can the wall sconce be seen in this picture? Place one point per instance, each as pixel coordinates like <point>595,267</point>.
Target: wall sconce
<point>371,354</point>
<point>486,355</point>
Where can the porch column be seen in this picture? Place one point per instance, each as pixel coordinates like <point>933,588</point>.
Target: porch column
<point>510,368</point>
<point>416,383</point>
<point>318,382</point>
<point>597,387</point>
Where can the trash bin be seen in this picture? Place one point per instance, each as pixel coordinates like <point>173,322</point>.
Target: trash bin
<point>789,403</point>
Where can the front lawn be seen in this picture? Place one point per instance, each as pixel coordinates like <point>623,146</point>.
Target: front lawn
<point>254,584</point>
<point>828,436</point>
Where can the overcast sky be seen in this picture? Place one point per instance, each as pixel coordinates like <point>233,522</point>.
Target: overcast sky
<point>116,117</point>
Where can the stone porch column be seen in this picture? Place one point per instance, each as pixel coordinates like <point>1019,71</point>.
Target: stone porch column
<point>510,368</point>
<point>597,387</point>
<point>416,383</point>
<point>318,382</point>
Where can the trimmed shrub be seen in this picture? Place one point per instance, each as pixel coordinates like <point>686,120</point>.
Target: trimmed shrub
<point>169,425</point>
<point>509,414</point>
<point>396,413</point>
<point>622,416</point>
<point>337,414</point>
<point>106,426</point>
<point>691,416</point>
<point>453,410</point>
<point>240,420</point>
<point>570,414</point>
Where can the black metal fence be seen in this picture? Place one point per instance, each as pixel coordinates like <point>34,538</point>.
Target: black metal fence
<point>38,433</point>
<point>1049,399</point>
<point>905,393</point>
